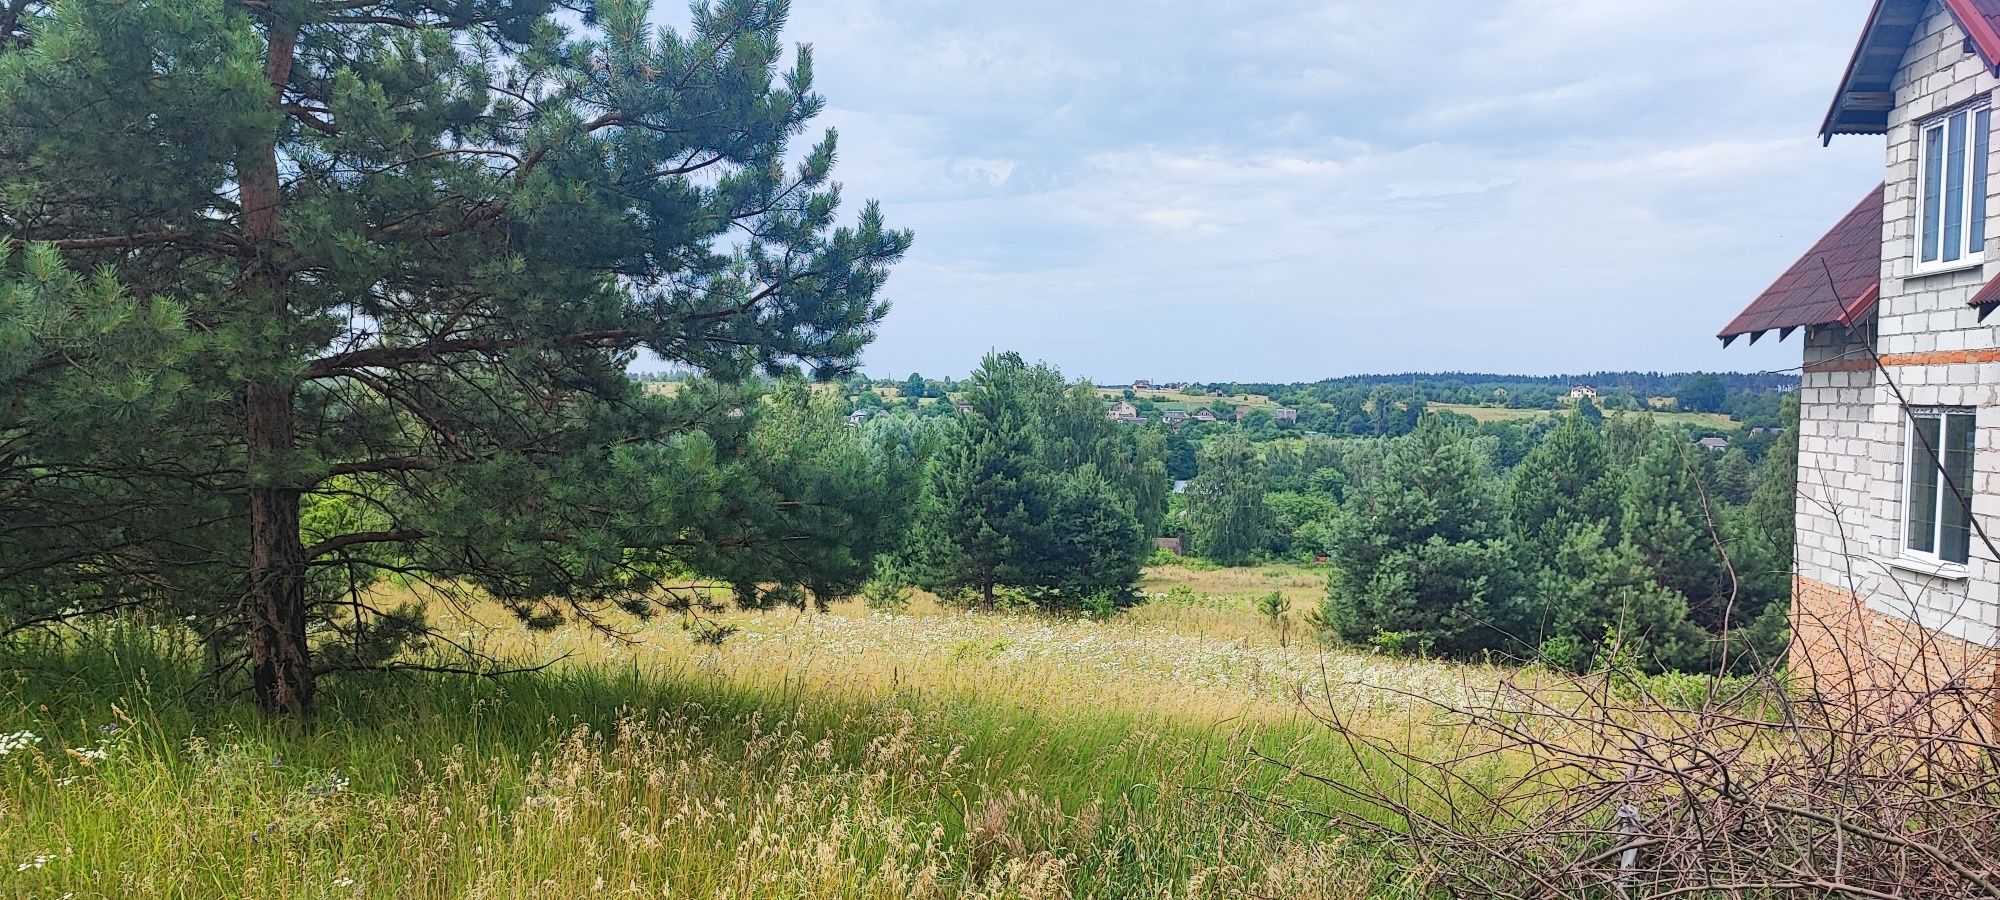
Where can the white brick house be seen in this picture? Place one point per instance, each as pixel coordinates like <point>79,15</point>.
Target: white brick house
<point>1899,424</point>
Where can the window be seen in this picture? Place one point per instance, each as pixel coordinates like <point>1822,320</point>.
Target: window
<point>1937,486</point>
<point>1951,188</point>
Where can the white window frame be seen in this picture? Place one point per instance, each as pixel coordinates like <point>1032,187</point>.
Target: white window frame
<point>1916,455</point>
<point>1972,168</point>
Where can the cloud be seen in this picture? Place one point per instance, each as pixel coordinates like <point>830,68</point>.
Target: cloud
<point>1299,188</point>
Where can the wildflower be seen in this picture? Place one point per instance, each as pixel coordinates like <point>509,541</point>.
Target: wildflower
<point>19,740</point>
<point>92,754</point>
<point>332,784</point>
<point>108,729</point>
<point>343,881</point>
<point>40,860</point>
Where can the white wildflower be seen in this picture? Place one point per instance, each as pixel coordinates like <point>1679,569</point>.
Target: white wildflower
<point>19,740</point>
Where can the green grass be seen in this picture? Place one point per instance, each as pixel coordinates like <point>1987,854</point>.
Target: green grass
<point>611,779</point>
<point>1504,414</point>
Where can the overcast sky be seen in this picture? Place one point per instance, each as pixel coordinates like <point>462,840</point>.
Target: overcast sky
<point>1287,190</point>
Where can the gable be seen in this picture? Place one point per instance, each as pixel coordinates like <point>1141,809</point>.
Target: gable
<point>1836,282</point>
<point>1866,91</point>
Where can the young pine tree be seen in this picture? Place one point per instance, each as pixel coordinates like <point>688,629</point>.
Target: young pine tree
<point>1666,523</point>
<point>983,523</point>
<point>1564,483</point>
<point>1421,552</point>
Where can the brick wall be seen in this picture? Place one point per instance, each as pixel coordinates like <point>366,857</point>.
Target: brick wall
<point>1936,352</point>
<point>1883,666</point>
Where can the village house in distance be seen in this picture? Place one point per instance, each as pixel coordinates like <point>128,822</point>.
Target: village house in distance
<point>1899,444</point>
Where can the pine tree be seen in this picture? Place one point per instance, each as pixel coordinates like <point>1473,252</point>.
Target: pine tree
<point>1036,489</point>
<point>985,510</point>
<point>1420,552</point>
<point>1564,483</point>
<point>1225,503</point>
<point>1594,591</point>
<point>419,243</point>
<point>1667,525</point>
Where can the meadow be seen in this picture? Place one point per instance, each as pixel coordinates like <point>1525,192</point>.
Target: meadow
<point>857,753</point>
<point>1506,414</point>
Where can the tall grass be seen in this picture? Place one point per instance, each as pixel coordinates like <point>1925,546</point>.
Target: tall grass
<point>626,777</point>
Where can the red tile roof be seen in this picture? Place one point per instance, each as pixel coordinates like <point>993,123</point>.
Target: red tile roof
<point>1867,89</point>
<point>1988,295</point>
<point>1805,295</point>
<point>1981,21</point>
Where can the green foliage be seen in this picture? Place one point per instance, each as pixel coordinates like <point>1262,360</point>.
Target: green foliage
<point>1702,393</point>
<point>406,279</point>
<point>1564,483</point>
<point>1227,518</point>
<point>1035,489</point>
<point>1421,552</point>
<point>1667,524</point>
<point>1594,590</point>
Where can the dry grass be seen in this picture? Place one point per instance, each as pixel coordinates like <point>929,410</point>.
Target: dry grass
<point>930,752</point>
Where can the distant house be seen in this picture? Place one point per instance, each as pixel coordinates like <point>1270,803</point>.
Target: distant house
<point>1170,544</point>
<point>1582,391</point>
<point>962,407</point>
<point>1285,416</point>
<point>1124,411</point>
<point>1180,486</point>
<point>1242,412</point>
<point>1714,443</point>
<point>1204,415</point>
<point>1142,385</point>
<point>1174,416</point>
<point>859,416</point>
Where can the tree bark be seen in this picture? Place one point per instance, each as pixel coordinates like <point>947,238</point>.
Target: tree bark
<point>280,659</point>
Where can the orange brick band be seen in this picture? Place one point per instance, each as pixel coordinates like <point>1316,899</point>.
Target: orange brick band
<point>1941,357</point>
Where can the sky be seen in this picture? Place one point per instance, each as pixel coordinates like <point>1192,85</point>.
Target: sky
<point>1289,190</point>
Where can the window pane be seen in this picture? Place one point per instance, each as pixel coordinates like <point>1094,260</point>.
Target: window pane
<point>1933,190</point>
<point>1955,531</point>
<point>1922,495</point>
<point>1982,133</point>
<point>1954,188</point>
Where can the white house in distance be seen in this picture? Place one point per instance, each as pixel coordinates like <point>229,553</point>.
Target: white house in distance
<point>1899,418</point>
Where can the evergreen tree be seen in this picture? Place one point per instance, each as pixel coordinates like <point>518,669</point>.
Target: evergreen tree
<point>1420,553</point>
<point>1732,479</point>
<point>1763,539</point>
<point>413,248</point>
<point>1226,515</point>
<point>984,518</point>
<point>1092,554</point>
<point>1564,483</point>
<point>1036,489</point>
<point>1666,525</point>
<point>1594,592</point>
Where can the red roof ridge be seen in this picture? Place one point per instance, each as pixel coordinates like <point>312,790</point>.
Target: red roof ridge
<point>1981,21</point>
<point>1837,281</point>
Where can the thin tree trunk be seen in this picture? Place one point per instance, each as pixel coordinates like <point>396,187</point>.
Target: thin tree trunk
<point>281,662</point>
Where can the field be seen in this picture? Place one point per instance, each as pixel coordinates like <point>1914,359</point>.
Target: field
<point>1168,399</point>
<point>924,753</point>
<point>1503,414</point>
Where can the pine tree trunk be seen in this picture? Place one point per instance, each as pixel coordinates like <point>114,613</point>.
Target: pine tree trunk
<point>281,662</point>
